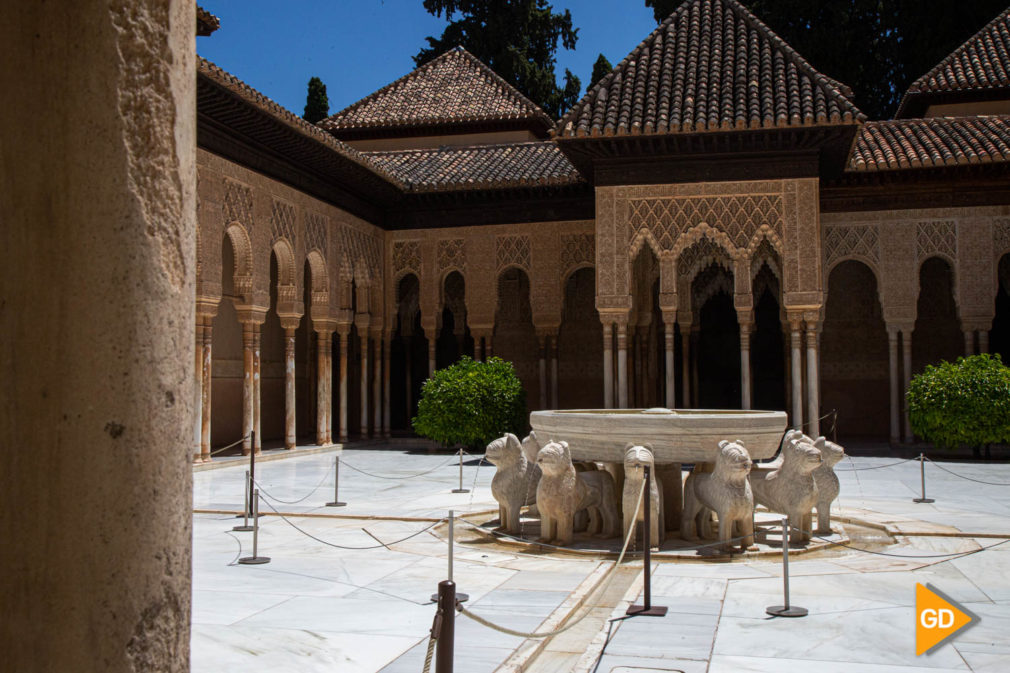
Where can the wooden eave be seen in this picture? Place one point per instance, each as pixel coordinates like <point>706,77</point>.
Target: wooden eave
<point>537,127</point>
<point>940,187</point>
<point>914,104</point>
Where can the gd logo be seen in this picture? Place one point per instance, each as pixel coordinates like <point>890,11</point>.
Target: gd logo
<point>937,618</point>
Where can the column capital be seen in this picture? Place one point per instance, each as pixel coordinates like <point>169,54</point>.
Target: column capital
<point>254,315</point>
<point>206,307</point>
<point>362,321</point>
<point>290,321</point>
<point>669,316</point>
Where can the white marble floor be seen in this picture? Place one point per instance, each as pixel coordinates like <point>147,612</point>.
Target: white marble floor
<point>342,594</point>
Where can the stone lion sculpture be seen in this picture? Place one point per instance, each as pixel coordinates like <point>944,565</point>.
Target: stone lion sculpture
<point>789,488</point>
<point>636,458</point>
<point>827,483</point>
<point>562,492</point>
<point>515,481</point>
<point>726,491</point>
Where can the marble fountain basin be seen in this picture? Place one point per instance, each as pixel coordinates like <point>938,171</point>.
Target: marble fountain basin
<point>675,435</point>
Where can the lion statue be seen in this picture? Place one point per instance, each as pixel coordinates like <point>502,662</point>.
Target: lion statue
<point>727,492</point>
<point>562,492</point>
<point>515,481</point>
<point>787,486</point>
<point>636,458</point>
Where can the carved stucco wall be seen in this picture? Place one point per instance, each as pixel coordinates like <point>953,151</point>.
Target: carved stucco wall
<point>735,217</point>
<point>895,243</point>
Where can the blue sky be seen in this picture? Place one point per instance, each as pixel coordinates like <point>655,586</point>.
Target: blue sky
<point>356,47</point>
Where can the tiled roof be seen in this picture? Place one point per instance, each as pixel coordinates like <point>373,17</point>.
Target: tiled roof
<point>929,143</point>
<point>479,167</point>
<point>283,115</point>
<point>711,65</point>
<point>206,23</point>
<point>453,89</point>
<point>983,62</point>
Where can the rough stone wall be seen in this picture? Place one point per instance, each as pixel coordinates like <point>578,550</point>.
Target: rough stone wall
<point>97,312</point>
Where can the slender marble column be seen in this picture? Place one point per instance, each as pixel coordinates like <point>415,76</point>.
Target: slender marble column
<point>892,367</point>
<point>685,365</point>
<point>543,373</point>
<point>622,366</point>
<point>198,392</point>
<point>983,341</point>
<point>290,436</point>
<point>248,385</point>
<point>813,382</point>
<point>365,357</point>
<point>377,386</point>
<point>745,385</point>
<point>796,343</point>
<point>386,408</point>
<point>638,371</point>
<point>431,353</point>
<point>408,343</point>
<point>554,371</point>
<point>488,347</point>
<point>323,374</point>
<point>342,434</point>
<point>969,342</point>
<point>668,336</point>
<point>608,365</point>
<point>257,391</point>
<point>695,388</point>
<point>906,352</point>
<point>208,331</point>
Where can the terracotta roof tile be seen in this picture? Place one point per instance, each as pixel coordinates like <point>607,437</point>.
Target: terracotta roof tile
<point>711,65</point>
<point>529,164</point>
<point>455,88</point>
<point>253,97</point>
<point>983,62</point>
<point>929,143</point>
<point>206,23</point>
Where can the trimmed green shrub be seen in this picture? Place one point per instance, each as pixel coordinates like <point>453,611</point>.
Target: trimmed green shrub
<point>472,403</point>
<point>961,403</point>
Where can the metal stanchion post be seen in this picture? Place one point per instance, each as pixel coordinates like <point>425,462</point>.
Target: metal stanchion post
<point>447,626</point>
<point>255,559</point>
<point>461,489</point>
<point>462,598</point>
<point>647,610</point>
<point>786,610</point>
<point>922,477</point>
<point>245,527</point>
<point>336,485</point>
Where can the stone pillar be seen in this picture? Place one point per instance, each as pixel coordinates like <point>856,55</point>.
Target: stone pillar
<point>668,335</point>
<point>695,388</point>
<point>796,343</point>
<point>622,365</point>
<point>544,397</point>
<point>386,359</point>
<point>98,228</point>
<point>745,382</point>
<point>207,379</point>
<point>906,352</point>
<point>813,381</point>
<point>554,370</point>
<point>343,331</point>
<point>248,385</point>
<point>608,365</point>
<point>257,390</point>
<point>685,365</point>
<point>432,337</point>
<point>488,346</point>
<point>324,378</point>
<point>290,432</point>
<point>892,369</point>
<point>365,357</point>
<point>198,391</point>
<point>969,342</point>
<point>376,384</point>
<point>983,341</point>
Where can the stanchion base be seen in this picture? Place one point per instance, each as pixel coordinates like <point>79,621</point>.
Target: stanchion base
<point>460,490</point>
<point>460,598</point>
<point>336,504</point>
<point>783,611</point>
<point>923,500</point>
<point>243,529</point>
<point>641,611</point>
<point>254,560</point>
<point>250,516</point>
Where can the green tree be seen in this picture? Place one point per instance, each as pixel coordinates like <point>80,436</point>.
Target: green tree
<point>601,69</point>
<point>877,47</point>
<point>515,38</point>
<point>472,403</point>
<point>317,103</point>
<point>967,402</point>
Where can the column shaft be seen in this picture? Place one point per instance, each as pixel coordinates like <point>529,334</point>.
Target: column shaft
<point>408,343</point>
<point>892,370</point>
<point>983,341</point>
<point>290,437</point>
<point>198,391</point>
<point>544,401</point>
<point>608,365</point>
<point>906,352</point>
<point>622,366</point>
<point>365,357</point>
<point>322,374</point>
<point>205,409</point>
<point>969,342</point>
<point>813,383</point>
<point>257,392</point>
<point>342,434</point>
<point>386,359</point>
<point>431,355</point>
<point>685,365</point>
<point>377,386</point>
<point>745,385</point>
<point>248,386</point>
<point>796,343</point>
<point>668,338</point>
<point>554,371</point>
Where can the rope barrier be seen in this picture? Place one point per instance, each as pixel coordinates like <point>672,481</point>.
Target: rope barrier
<point>337,546</point>
<point>410,476</point>
<point>232,445</point>
<point>907,556</point>
<point>428,655</point>
<point>294,502</point>
<point>877,467</point>
<point>977,481</point>
<point>600,588</point>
